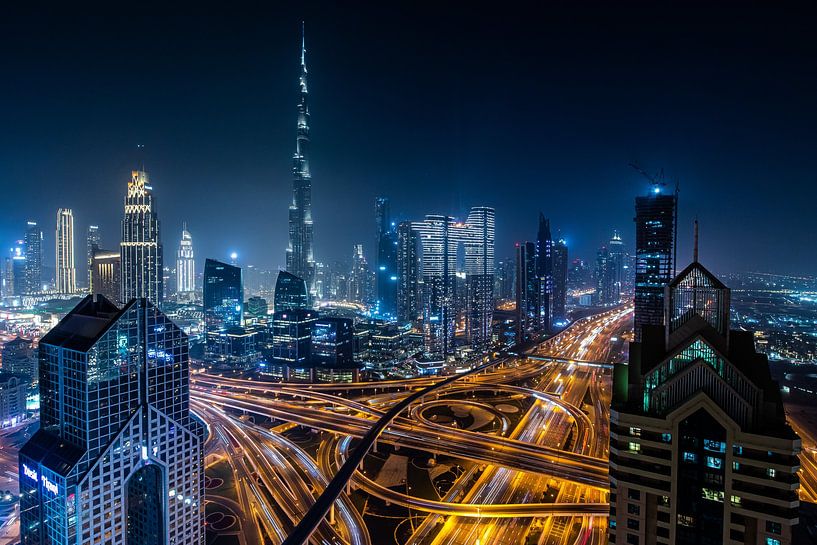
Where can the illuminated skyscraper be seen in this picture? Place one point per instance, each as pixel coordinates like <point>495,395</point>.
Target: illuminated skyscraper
<point>527,291</point>
<point>185,267</point>
<point>361,278</point>
<point>386,267</point>
<point>290,293</point>
<point>300,259</point>
<point>559,299</point>
<point>544,274</point>
<point>655,227</point>
<point>223,297</point>
<point>92,242</point>
<point>408,267</point>
<point>141,247</point>
<point>605,277</point>
<point>617,261</point>
<point>478,243</point>
<point>700,451</point>
<point>34,258</point>
<point>118,457</point>
<point>106,274</point>
<point>66,272</point>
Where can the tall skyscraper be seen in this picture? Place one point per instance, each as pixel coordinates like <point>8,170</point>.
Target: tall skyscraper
<point>386,267</point>
<point>439,260</point>
<point>700,451</point>
<point>300,259</point>
<point>66,271</point>
<point>223,297</point>
<point>478,243</point>
<point>361,279</point>
<point>141,246</point>
<point>505,279</point>
<point>34,258</point>
<point>527,291</point>
<point>92,242</point>
<point>118,457</point>
<point>544,273</point>
<point>607,292</point>
<point>617,261</point>
<point>408,267</point>
<point>559,298</point>
<point>655,228</point>
<point>106,274</point>
<point>185,267</point>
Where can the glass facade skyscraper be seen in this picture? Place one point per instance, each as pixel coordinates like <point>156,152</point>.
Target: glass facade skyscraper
<point>223,297</point>
<point>544,274</point>
<point>408,267</point>
<point>290,293</point>
<point>478,243</point>
<point>141,246</point>
<point>34,258</point>
<point>185,267</point>
<point>655,228</point>
<point>118,457</point>
<point>386,267</point>
<point>559,300</point>
<point>300,258</point>
<point>92,243</point>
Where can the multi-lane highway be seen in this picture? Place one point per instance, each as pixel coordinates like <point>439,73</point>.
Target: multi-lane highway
<point>559,445</point>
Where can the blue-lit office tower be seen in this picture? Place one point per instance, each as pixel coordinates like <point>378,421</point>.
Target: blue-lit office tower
<point>527,291</point>
<point>438,241</point>
<point>504,279</point>
<point>361,279</point>
<point>34,258</point>
<point>118,457</point>
<point>290,293</point>
<point>93,242</point>
<point>300,259</point>
<point>141,246</point>
<point>544,274</point>
<point>655,231</point>
<point>605,277</point>
<point>386,266</point>
<point>478,243</point>
<point>223,297</point>
<point>559,298</point>
<point>408,274</point>
<point>617,260</point>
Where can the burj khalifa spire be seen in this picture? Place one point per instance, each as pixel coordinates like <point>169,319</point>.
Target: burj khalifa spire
<point>300,259</point>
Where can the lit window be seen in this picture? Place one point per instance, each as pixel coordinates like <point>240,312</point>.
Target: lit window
<point>714,463</point>
<point>712,495</point>
<point>771,472</point>
<point>666,437</point>
<point>735,500</point>
<point>635,432</point>
<point>714,446</point>
<point>686,520</point>
<point>737,450</point>
<point>690,457</point>
<point>635,447</point>
<point>772,541</point>
<point>735,466</point>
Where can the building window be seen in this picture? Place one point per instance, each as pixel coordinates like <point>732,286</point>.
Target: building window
<point>634,447</point>
<point>774,527</point>
<point>714,463</point>
<point>737,450</point>
<point>735,466</point>
<point>690,457</point>
<point>633,509</point>
<point>771,472</point>
<point>634,494</point>
<point>712,495</point>
<point>735,501</point>
<point>633,540</point>
<point>686,520</point>
<point>666,437</point>
<point>714,446</point>
<point>632,524</point>
<point>772,541</point>
<point>635,432</point>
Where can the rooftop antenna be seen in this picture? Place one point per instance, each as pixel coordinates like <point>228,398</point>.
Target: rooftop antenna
<point>141,148</point>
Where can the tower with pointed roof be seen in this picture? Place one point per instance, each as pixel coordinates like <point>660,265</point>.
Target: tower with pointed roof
<point>300,260</point>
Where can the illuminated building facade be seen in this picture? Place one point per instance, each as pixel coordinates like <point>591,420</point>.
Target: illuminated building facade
<point>223,298</point>
<point>19,357</point>
<point>118,457</point>
<point>185,267</point>
<point>655,228</point>
<point>387,256</point>
<point>408,274</point>
<point>34,258</point>
<point>141,246</point>
<point>291,340</point>
<point>106,274</point>
<point>478,242</point>
<point>66,272</point>
<point>300,258</point>
<point>439,260</point>
<point>618,257</point>
<point>93,241</point>
<point>290,292</point>
<point>607,292</point>
<point>700,451</point>
<point>13,392</point>
<point>527,291</point>
<point>544,274</point>
<point>559,298</point>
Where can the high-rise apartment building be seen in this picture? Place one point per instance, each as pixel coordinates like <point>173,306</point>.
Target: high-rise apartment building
<point>559,298</point>
<point>527,291</point>
<point>408,274</point>
<point>66,271</point>
<point>386,266</point>
<point>361,279</point>
<point>700,451</point>
<point>615,247</point>
<point>185,267</point>
<point>93,241</point>
<point>141,246</point>
<point>505,279</point>
<point>655,228</point>
<point>106,274</point>
<point>300,258</point>
<point>607,292</point>
<point>118,457</point>
<point>34,258</point>
<point>439,259</point>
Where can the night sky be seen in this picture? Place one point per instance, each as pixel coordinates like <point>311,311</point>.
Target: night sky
<point>439,109</point>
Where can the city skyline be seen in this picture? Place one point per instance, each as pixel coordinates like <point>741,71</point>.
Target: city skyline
<point>250,177</point>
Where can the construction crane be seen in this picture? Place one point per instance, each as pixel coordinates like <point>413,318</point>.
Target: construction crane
<point>657,179</point>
